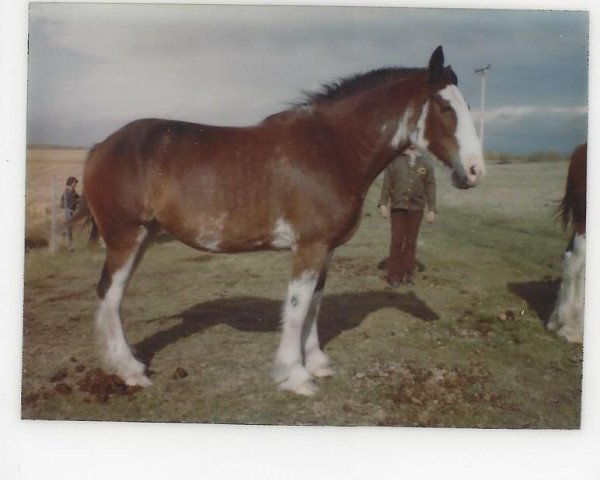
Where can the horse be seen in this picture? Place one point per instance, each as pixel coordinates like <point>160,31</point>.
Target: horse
<point>567,317</point>
<point>295,181</point>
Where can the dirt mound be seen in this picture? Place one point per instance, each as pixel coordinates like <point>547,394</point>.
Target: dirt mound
<point>102,385</point>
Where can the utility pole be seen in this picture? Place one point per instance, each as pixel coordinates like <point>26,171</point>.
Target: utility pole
<point>481,71</point>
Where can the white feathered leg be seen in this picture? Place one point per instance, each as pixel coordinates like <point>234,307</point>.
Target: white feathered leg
<point>115,350</point>
<point>288,370</point>
<point>315,361</point>
<point>567,317</point>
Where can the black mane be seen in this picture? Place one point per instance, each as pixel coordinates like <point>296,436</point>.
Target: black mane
<point>344,86</point>
<point>330,92</point>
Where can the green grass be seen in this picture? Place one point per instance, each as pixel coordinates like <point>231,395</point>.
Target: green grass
<point>439,354</point>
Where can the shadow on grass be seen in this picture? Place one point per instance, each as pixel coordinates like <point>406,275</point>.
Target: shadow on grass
<point>250,314</point>
<point>540,295</point>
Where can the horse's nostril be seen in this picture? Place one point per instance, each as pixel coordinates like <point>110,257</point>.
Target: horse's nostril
<point>473,171</point>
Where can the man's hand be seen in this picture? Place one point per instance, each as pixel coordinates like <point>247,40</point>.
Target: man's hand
<point>384,211</point>
<point>430,217</point>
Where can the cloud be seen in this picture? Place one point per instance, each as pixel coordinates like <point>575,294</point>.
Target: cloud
<point>93,67</point>
<point>529,128</point>
<point>511,113</point>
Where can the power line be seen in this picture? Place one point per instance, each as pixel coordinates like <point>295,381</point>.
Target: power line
<point>481,71</point>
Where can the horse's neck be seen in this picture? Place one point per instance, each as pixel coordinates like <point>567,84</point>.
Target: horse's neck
<point>371,136</point>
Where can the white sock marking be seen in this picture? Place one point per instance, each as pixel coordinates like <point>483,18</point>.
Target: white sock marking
<point>568,313</point>
<point>289,354</point>
<point>115,349</point>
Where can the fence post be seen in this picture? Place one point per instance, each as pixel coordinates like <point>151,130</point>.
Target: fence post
<point>53,243</point>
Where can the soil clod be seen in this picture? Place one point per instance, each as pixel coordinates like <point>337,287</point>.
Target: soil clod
<point>102,385</point>
<point>180,373</point>
<point>58,376</point>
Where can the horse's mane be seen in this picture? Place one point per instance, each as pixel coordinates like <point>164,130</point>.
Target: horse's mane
<point>351,84</point>
<point>329,92</point>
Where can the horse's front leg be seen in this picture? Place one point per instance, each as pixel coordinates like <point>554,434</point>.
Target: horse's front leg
<point>288,370</point>
<point>315,361</point>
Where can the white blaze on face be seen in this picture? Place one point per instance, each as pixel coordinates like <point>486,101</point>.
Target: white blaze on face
<point>469,146</point>
<point>283,235</point>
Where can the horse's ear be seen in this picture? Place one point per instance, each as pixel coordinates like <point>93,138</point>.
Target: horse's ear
<point>451,75</point>
<point>436,65</point>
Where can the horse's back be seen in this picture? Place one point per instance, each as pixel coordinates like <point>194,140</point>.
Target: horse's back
<point>148,138</point>
<point>126,175</point>
<point>239,188</point>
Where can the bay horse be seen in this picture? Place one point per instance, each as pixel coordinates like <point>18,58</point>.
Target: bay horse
<point>296,181</point>
<point>567,317</point>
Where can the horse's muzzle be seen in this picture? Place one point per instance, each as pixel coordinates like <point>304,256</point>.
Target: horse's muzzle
<point>469,177</point>
<point>460,181</point>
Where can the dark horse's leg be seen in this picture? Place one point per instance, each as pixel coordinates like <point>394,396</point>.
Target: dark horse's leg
<point>315,361</point>
<point>288,370</point>
<point>125,245</point>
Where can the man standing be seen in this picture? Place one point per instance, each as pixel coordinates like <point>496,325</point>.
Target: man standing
<point>408,187</point>
<point>69,201</point>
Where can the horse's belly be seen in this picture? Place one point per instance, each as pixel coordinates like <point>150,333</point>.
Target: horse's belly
<point>226,235</point>
<point>213,242</point>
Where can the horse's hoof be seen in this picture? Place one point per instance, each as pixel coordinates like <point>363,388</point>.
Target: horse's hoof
<point>553,324</point>
<point>294,378</point>
<point>279,372</point>
<point>324,371</point>
<point>138,380</point>
<point>307,388</point>
<point>321,371</point>
<point>318,365</point>
<point>132,373</point>
<point>570,336</point>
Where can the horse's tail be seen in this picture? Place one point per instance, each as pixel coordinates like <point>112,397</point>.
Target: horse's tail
<point>82,216</point>
<point>564,211</point>
<point>571,208</point>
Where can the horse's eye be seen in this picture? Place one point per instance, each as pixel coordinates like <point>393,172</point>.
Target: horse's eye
<point>446,109</point>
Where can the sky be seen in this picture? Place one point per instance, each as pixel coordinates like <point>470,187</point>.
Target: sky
<point>94,67</point>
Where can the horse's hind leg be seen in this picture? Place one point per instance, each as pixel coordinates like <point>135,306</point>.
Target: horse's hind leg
<point>567,317</point>
<point>315,361</point>
<point>288,369</point>
<point>123,252</point>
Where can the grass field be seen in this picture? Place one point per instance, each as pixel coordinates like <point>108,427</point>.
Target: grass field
<point>465,347</point>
